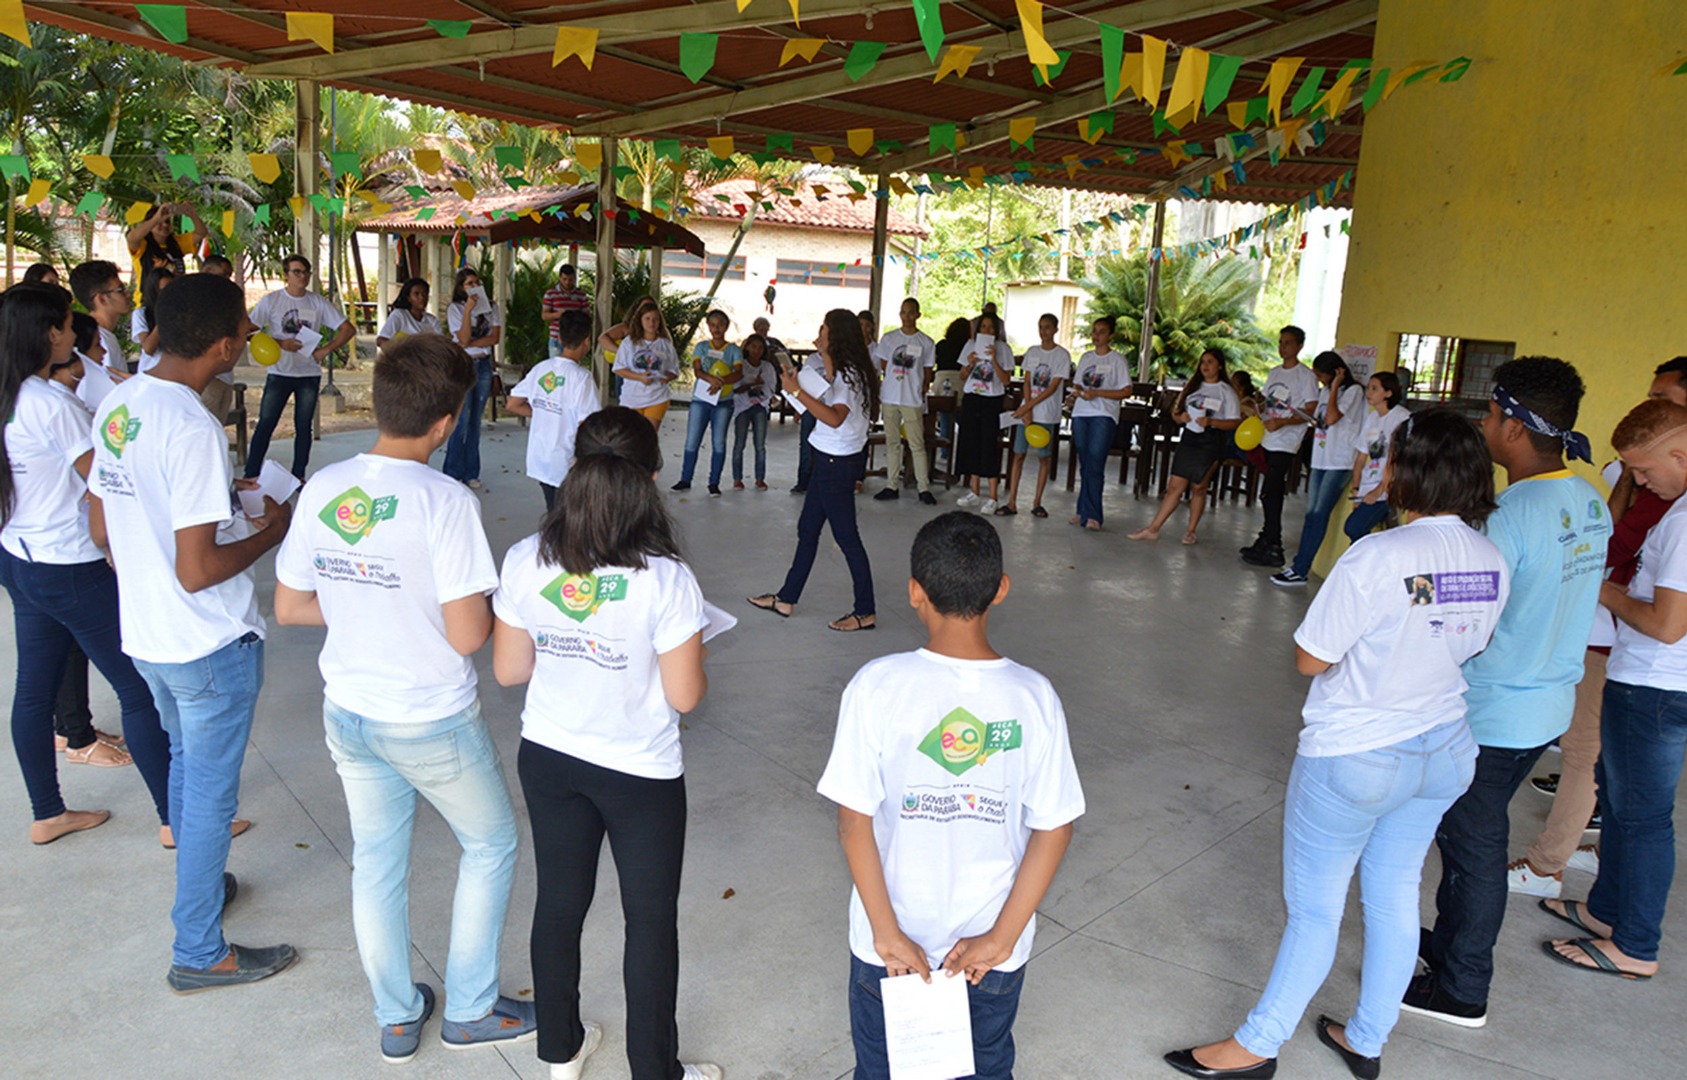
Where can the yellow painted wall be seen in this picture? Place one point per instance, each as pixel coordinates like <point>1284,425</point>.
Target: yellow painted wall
<point>1542,199</point>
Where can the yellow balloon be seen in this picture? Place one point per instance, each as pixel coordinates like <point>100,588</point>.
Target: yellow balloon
<point>721,369</point>
<point>265,349</point>
<point>1250,433</point>
<point>1036,436</point>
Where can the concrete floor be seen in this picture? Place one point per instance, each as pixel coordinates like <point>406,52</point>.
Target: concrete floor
<point>1158,933</point>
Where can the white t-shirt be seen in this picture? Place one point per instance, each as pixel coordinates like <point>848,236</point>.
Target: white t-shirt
<point>384,543</point>
<point>1215,401</point>
<point>597,691</point>
<point>1398,616</point>
<point>487,317</point>
<point>139,324</point>
<point>904,359</point>
<point>114,358</point>
<point>1100,372</point>
<point>757,387</point>
<point>728,354</point>
<point>850,436</point>
<point>956,762</point>
<point>985,380</point>
<point>1043,368</point>
<point>282,316</point>
<point>1645,661</point>
<point>161,464</point>
<point>401,322</point>
<point>1333,446</point>
<point>1375,434</point>
<point>644,357</point>
<point>1285,390</point>
<point>562,394</point>
<point>48,431</point>
<point>95,385</point>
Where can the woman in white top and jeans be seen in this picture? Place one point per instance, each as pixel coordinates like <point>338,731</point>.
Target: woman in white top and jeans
<point>1385,749</point>
<point>409,315</point>
<point>477,325</point>
<point>839,440</point>
<point>1341,406</point>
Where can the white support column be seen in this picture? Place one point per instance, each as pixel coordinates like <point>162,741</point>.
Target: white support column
<point>385,287</point>
<point>502,260</point>
<point>1145,356</point>
<point>605,255</point>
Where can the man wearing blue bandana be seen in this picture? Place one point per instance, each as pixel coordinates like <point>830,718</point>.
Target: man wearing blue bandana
<point>1552,527</point>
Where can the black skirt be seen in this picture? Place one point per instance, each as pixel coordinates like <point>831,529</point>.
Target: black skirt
<point>1196,453</point>
<point>978,436</point>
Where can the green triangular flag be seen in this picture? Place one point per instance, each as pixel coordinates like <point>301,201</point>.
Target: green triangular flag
<point>940,137</point>
<point>345,163</point>
<point>426,213</point>
<point>888,146</point>
<point>516,183</point>
<point>1112,58</point>
<point>1102,121</point>
<point>182,166</point>
<point>91,203</point>
<point>1221,74</point>
<point>1054,69</point>
<point>1373,92</point>
<point>930,22</point>
<point>509,157</point>
<point>170,20</point>
<point>14,167</point>
<point>670,149</point>
<point>782,141</point>
<point>320,201</point>
<point>1308,92</point>
<point>697,54</point>
<point>260,215</point>
<point>1162,125</point>
<point>1455,69</point>
<point>621,172</point>
<point>337,205</point>
<point>1361,64</point>
<point>862,56</point>
<point>451,28</point>
<point>416,191</point>
<point>1258,109</point>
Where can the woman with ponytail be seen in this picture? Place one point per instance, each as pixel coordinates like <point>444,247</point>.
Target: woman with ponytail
<point>599,614</point>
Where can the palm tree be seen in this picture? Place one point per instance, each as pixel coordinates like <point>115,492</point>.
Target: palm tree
<point>1201,304</point>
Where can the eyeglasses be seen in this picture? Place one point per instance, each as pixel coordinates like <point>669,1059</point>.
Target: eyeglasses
<point>293,270</point>
<point>108,292</point>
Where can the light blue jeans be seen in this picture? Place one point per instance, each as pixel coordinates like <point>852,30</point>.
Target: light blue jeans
<point>1378,810</point>
<point>206,708</point>
<point>454,764</point>
<point>701,416</point>
<point>1326,488</point>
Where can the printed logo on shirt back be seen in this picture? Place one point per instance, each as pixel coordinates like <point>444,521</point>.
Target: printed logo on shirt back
<point>353,514</point>
<point>549,381</point>
<point>119,430</point>
<point>578,596</point>
<point>961,740</point>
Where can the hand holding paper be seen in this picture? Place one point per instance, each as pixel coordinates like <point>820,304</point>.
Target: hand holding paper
<point>273,481</point>
<point>928,1027</point>
<point>719,621</point>
<point>308,340</point>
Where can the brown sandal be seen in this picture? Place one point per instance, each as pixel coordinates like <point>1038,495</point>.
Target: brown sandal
<point>849,624</point>
<point>771,602</point>
<point>99,753</point>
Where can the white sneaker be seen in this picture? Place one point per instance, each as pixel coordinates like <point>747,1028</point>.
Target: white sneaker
<point>1586,858</point>
<point>969,499</point>
<point>571,1070</point>
<point>987,506</point>
<point>1522,878</point>
<point>703,1070</point>
<point>475,484</point>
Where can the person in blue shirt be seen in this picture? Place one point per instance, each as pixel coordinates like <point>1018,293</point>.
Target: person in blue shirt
<point>1552,527</point>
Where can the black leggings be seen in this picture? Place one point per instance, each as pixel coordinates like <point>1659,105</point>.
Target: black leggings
<point>572,804</point>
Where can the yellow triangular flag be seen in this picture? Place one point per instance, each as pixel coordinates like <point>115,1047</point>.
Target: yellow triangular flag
<point>228,222</point>
<point>1238,111</point>
<point>1153,70</point>
<point>1219,181</point>
<point>860,140</point>
<point>722,146</point>
<point>137,212</point>
<point>796,11</point>
<point>295,203</point>
<point>822,154</point>
<point>569,177</point>
<point>1174,153</point>
<point>461,221</point>
<point>379,208</point>
<point>1335,99</point>
<point>742,4</point>
<point>575,41</point>
<point>463,188</point>
<point>366,196</point>
<point>1071,161</point>
<point>266,167</point>
<point>38,189</point>
<point>1401,75</point>
<point>589,155</point>
<point>1031,24</point>
<point>98,164</point>
<point>896,184</point>
<point>1277,83</point>
<point>957,59</point>
<point>1291,130</point>
<point>805,47</point>
<point>311,26</point>
<point>1021,128</point>
<point>12,22</point>
<point>1130,74</point>
<point>429,161</point>
<point>1091,137</point>
<point>1188,86</point>
<point>533,215</point>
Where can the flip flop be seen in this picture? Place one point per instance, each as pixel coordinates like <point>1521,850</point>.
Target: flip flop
<point>770,602</point>
<point>1037,511</point>
<point>842,624</point>
<point>1570,915</point>
<point>1602,963</point>
<point>1006,511</point>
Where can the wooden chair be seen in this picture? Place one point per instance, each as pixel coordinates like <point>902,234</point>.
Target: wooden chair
<point>236,419</point>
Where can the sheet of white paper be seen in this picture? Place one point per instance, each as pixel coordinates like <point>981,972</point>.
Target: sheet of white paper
<point>720,621</point>
<point>985,344</point>
<point>795,404</point>
<point>1008,420</point>
<point>813,381</point>
<point>476,291</point>
<point>309,339</point>
<point>928,1028</point>
<point>275,481</point>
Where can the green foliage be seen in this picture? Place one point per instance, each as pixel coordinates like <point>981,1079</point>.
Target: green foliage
<point>1201,304</point>
<point>682,311</point>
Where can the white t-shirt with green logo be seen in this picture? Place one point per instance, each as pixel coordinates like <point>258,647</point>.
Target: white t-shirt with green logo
<point>562,394</point>
<point>956,761</point>
<point>384,543</point>
<point>161,464</point>
<point>596,692</point>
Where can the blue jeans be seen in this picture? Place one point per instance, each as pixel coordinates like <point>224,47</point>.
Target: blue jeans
<point>1092,438</point>
<point>831,500</point>
<point>55,608</point>
<point>454,764</point>
<point>303,389</point>
<point>206,705</point>
<point>1643,733</point>
<point>1363,518</point>
<point>1327,488</point>
<point>754,422</point>
<point>805,452</point>
<point>1473,839</point>
<point>462,450</point>
<point>1375,810</point>
<point>994,1003</point>
<point>715,419</point>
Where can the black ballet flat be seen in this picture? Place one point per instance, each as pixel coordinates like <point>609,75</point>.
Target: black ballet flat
<point>1184,1062</point>
<point>1362,1067</point>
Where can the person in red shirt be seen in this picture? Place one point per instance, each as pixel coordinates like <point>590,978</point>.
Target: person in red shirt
<point>562,297</point>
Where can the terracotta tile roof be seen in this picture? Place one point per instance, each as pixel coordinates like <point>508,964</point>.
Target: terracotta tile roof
<point>830,208</point>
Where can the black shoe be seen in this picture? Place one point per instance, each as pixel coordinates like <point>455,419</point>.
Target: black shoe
<point>1184,1062</point>
<point>714,491</point>
<point>1546,785</point>
<point>1266,556</point>
<point>1425,934</point>
<point>231,889</point>
<point>683,485</point>
<point>887,495</point>
<point>799,490</point>
<point>1251,548</point>
<point>250,965</point>
<point>1362,1067</point>
<point>928,498</point>
<point>1425,997</point>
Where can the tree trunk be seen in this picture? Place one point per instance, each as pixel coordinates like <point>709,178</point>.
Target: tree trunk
<point>357,265</point>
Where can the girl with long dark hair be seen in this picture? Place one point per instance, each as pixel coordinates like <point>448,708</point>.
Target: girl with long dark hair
<point>409,314</point>
<point>63,591</point>
<point>143,327</point>
<point>1341,408</point>
<point>1209,411</point>
<point>599,613</point>
<point>986,369</point>
<point>839,441</point>
<point>477,325</point>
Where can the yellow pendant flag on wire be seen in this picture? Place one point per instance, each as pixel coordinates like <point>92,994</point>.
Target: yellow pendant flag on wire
<point>464,188</point>
<point>1188,85</point>
<point>1153,70</point>
<point>296,203</point>
<point>265,167</point>
<point>589,155</point>
<point>575,41</point>
<point>228,222</point>
<point>957,60</point>
<point>860,140</point>
<point>312,26</point>
<point>38,190</point>
<point>1020,130</point>
<point>137,212</point>
<point>722,146</point>
<point>807,48</point>
<point>1277,82</point>
<point>823,154</point>
<point>98,164</point>
<point>12,22</point>
<point>1037,47</point>
<point>429,161</point>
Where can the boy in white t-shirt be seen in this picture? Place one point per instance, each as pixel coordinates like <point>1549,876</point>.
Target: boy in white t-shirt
<point>1047,368</point>
<point>386,549</point>
<point>905,357</point>
<point>956,794</point>
<point>161,490</point>
<point>557,394</point>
